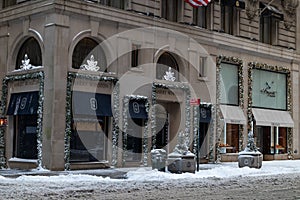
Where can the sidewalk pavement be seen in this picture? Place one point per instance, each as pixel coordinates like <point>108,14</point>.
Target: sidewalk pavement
<point>114,173</point>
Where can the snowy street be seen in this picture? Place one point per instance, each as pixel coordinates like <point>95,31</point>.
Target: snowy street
<point>275,180</point>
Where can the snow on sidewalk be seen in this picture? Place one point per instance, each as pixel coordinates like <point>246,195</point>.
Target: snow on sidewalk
<point>223,170</point>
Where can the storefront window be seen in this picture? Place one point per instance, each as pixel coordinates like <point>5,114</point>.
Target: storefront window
<point>137,120</point>
<point>26,137</point>
<point>91,118</point>
<point>229,85</point>
<point>89,141</point>
<point>271,140</point>
<point>230,139</point>
<point>281,141</point>
<point>269,89</point>
<point>135,139</point>
<point>23,108</point>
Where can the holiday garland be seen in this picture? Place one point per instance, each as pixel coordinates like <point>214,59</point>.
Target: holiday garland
<point>262,66</point>
<point>174,85</point>
<point>23,77</point>
<point>126,101</point>
<point>72,76</point>
<point>239,63</point>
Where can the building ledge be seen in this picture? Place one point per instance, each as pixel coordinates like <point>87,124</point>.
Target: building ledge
<point>20,163</point>
<point>89,165</point>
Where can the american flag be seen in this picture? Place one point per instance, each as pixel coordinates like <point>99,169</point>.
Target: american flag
<point>197,3</point>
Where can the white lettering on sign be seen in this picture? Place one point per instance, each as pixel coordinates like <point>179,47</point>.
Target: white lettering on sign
<point>23,103</point>
<point>136,107</point>
<point>93,103</point>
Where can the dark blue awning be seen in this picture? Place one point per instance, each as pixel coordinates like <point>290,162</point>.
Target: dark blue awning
<point>137,109</point>
<point>205,114</point>
<point>25,103</point>
<point>86,103</point>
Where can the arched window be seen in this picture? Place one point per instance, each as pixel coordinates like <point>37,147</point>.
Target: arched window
<point>83,52</point>
<point>165,61</point>
<point>32,48</point>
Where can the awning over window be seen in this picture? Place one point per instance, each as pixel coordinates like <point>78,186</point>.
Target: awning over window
<point>86,103</point>
<point>264,117</point>
<point>233,114</point>
<point>137,109</point>
<point>271,11</point>
<point>25,103</point>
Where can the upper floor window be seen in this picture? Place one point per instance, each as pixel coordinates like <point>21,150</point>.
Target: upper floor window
<point>135,54</point>
<point>230,16</point>
<point>33,51</point>
<point>165,64</point>
<point>7,3</point>
<point>269,24</point>
<point>83,51</point>
<point>113,3</point>
<point>171,9</point>
<point>201,16</point>
<point>202,67</point>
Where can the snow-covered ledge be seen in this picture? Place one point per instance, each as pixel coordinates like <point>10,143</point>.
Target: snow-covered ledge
<point>21,163</point>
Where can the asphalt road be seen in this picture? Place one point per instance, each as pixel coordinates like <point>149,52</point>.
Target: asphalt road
<point>265,187</point>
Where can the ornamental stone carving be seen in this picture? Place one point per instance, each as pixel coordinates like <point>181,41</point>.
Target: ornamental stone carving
<point>251,9</point>
<point>289,9</point>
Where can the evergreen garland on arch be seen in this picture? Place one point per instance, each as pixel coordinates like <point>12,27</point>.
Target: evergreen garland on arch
<point>235,61</point>
<point>72,76</point>
<point>126,101</point>
<point>174,85</point>
<point>23,77</point>
<point>279,69</point>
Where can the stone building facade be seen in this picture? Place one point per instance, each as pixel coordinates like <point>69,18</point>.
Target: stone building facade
<point>99,83</point>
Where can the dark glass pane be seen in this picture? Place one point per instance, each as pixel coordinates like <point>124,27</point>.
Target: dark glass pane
<point>32,48</point>
<point>83,52</point>
<point>26,137</point>
<point>165,61</point>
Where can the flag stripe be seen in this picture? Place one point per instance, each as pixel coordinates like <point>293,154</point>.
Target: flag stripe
<point>197,3</point>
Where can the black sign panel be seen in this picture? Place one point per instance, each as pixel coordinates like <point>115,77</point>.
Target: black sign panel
<point>25,103</point>
<point>205,114</point>
<point>86,103</point>
<point>137,109</point>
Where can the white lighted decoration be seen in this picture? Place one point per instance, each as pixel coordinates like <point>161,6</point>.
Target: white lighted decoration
<point>91,65</point>
<point>169,75</point>
<point>25,63</point>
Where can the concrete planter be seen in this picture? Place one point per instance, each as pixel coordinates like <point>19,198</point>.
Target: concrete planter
<point>178,163</point>
<point>250,159</point>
